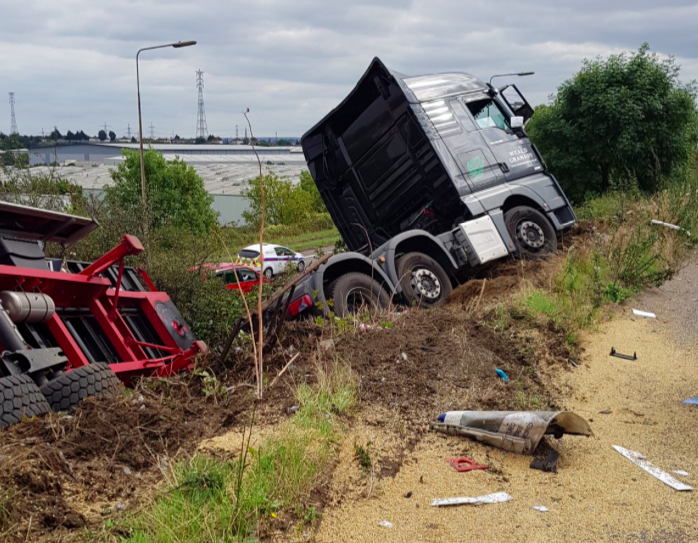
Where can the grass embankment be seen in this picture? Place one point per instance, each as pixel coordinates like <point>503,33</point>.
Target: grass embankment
<point>263,489</point>
<point>620,253</point>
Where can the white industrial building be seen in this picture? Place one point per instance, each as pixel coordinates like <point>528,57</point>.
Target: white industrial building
<point>224,168</point>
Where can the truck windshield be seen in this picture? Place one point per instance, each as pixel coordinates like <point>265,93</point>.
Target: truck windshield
<point>488,114</point>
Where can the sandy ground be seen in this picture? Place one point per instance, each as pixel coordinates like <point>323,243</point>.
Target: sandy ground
<point>597,495</point>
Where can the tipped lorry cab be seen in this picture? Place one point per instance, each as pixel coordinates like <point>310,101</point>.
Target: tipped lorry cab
<point>427,178</point>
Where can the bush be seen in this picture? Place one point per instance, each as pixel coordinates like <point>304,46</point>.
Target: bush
<point>176,195</point>
<point>620,122</point>
<point>286,203</point>
<point>21,186</point>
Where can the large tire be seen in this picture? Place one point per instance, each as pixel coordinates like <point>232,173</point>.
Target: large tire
<point>67,390</point>
<point>531,231</point>
<point>352,291</point>
<point>424,282</point>
<point>20,398</point>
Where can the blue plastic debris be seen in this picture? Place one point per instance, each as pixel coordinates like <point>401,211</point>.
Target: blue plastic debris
<point>502,375</point>
<point>693,401</point>
<point>442,417</point>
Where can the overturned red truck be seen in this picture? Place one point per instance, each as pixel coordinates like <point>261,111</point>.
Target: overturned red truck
<point>71,329</point>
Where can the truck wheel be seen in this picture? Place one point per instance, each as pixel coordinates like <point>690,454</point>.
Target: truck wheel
<point>20,398</point>
<point>424,282</point>
<point>67,390</point>
<point>353,291</point>
<point>531,231</point>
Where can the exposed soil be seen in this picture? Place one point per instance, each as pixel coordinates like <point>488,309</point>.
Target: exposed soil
<point>61,475</point>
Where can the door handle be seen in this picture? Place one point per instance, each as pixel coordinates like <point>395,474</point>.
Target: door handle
<point>503,166</point>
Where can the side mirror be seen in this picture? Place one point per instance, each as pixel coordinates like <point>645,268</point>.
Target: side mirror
<point>517,122</point>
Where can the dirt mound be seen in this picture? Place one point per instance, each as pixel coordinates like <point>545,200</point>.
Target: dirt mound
<point>433,361</point>
<point>61,473</point>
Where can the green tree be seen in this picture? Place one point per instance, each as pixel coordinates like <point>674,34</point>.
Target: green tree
<point>112,136</point>
<point>285,202</point>
<point>102,135</point>
<point>175,193</point>
<point>55,135</point>
<point>626,119</point>
<point>308,185</point>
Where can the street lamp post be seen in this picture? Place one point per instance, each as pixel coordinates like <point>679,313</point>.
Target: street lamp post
<point>144,204</point>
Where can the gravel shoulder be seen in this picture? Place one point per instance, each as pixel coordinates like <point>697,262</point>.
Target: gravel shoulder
<point>597,495</point>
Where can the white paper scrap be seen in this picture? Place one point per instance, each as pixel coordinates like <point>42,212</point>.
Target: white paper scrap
<point>647,314</point>
<point>497,497</point>
<point>385,524</point>
<point>638,459</point>
<point>681,472</point>
<point>540,508</point>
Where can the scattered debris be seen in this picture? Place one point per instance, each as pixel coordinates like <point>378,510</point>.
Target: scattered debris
<point>647,314</point>
<point>326,345</point>
<point>385,524</point>
<point>408,495</point>
<point>503,375</point>
<point>547,464</point>
<point>516,431</point>
<point>462,465</point>
<point>693,401</point>
<point>672,226</point>
<point>294,408</point>
<point>640,461</point>
<point>681,472</point>
<point>497,497</point>
<point>404,356</point>
<point>127,470</point>
<point>540,508</point>
<point>605,412</point>
<point>574,363</point>
<point>623,356</point>
<point>163,463</point>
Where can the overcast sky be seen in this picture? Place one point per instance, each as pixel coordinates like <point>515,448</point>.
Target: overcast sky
<point>71,63</point>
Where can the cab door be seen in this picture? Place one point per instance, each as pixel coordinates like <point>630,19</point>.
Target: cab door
<point>511,148</point>
<point>474,157</point>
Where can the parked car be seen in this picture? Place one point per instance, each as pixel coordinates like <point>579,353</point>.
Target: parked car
<point>273,261</point>
<point>247,278</point>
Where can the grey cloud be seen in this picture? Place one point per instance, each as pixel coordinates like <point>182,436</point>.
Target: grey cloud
<point>71,63</point>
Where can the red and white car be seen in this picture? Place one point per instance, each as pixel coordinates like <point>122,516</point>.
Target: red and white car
<point>247,278</point>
